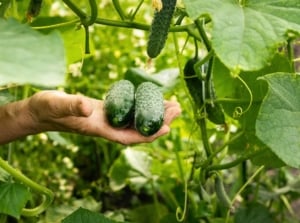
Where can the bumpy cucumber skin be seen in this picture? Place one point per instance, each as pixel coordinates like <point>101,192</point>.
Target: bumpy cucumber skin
<point>119,104</point>
<point>149,109</point>
<point>160,27</point>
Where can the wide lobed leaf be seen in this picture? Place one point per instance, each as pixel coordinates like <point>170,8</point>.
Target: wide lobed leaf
<point>278,120</point>
<point>28,56</point>
<point>246,37</point>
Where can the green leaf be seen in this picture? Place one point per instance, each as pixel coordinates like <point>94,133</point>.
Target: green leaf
<point>132,166</point>
<point>240,32</point>
<point>13,197</point>
<point>28,56</point>
<point>82,215</point>
<point>235,90</point>
<point>278,120</point>
<point>73,37</point>
<point>253,213</point>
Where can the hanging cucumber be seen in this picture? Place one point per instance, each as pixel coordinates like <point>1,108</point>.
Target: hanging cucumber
<point>160,27</point>
<point>193,83</point>
<point>149,108</point>
<point>221,193</point>
<point>214,110</point>
<point>34,9</point>
<point>119,104</point>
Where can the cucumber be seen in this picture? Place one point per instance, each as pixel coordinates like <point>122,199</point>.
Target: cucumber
<point>160,27</point>
<point>221,193</point>
<point>119,104</point>
<point>214,110</point>
<point>34,8</point>
<point>193,83</point>
<point>149,108</point>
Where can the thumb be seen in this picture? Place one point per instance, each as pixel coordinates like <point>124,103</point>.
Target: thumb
<point>77,105</point>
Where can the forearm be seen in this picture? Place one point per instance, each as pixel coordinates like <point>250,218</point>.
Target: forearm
<point>15,121</point>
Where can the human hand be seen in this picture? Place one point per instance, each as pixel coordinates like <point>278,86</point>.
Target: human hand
<point>58,111</point>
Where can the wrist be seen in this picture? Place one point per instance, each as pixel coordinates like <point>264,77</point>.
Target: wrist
<point>16,121</point>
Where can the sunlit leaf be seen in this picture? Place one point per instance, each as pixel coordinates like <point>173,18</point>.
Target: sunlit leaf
<point>28,56</point>
<point>245,37</point>
<point>278,120</point>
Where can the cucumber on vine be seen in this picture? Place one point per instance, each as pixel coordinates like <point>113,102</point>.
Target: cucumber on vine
<point>221,192</point>
<point>149,108</point>
<point>34,9</point>
<point>214,110</point>
<point>193,83</point>
<point>119,104</point>
<point>160,27</point>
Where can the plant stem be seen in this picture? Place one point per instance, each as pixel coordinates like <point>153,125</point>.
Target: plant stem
<point>155,198</point>
<point>87,39</point>
<point>48,194</point>
<point>123,24</point>
<point>214,154</point>
<point>202,124</point>
<point>58,25</point>
<point>136,25</point>
<point>119,9</point>
<point>136,10</point>
<point>233,163</point>
<point>199,25</point>
<point>94,12</point>
<point>235,100</point>
<point>243,188</point>
<point>75,9</point>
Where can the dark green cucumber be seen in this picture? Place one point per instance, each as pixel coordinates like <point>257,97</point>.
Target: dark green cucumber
<point>119,104</point>
<point>160,27</point>
<point>193,83</point>
<point>214,110</point>
<point>34,8</point>
<point>149,109</point>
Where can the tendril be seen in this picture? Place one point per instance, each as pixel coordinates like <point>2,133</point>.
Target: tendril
<point>179,210</point>
<point>238,112</point>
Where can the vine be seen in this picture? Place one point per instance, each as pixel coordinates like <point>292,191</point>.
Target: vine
<point>47,194</point>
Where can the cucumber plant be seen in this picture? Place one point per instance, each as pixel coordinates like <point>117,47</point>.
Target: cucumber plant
<point>186,159</point>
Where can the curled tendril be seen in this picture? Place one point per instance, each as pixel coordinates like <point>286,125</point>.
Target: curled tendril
<point>238,112</point>
<point>179,210</point>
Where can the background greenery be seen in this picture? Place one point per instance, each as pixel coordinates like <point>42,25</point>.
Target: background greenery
<point>172,179</point>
